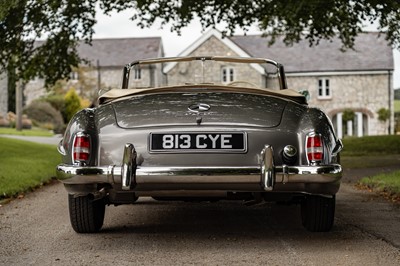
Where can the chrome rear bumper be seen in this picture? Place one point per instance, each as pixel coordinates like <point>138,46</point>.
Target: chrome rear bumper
<point>129,175</point>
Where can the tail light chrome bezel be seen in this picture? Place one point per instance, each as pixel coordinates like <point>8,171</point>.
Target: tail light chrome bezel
<point>314,153</point>
<point>83,150</point>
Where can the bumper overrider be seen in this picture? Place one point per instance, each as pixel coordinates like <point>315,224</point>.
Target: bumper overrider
<point>267,175</point>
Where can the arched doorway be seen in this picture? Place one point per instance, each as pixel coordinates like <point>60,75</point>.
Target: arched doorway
<point>358,126</point>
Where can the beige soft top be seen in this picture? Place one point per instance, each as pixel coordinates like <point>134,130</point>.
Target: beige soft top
<point>119,94</point>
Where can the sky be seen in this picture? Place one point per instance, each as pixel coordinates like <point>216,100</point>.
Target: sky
<point>118,25</point>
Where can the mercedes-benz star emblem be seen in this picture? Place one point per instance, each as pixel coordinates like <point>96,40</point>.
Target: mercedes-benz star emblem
<point>199,107</point>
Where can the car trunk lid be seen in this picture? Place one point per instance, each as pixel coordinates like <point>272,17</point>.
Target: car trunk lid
<point>199,108</point>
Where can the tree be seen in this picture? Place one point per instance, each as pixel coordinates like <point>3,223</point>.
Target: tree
<point>63,23</point>
<point>295,19</point>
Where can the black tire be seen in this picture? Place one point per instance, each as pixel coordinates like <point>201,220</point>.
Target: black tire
<point>86,214</point>
<point>318,213</point>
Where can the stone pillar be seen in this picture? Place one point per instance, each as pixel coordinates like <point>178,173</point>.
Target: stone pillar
<point>350,128</point>
<point>359,117</point>
<point>339,129</point>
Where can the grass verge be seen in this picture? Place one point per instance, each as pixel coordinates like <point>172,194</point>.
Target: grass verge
<point>386,184</point>
<point>26,132</point>
<point>370,161</point>
<point>371,146</point>
<point>372,152</point>
<point>25,165</point>
<point>397,105</point>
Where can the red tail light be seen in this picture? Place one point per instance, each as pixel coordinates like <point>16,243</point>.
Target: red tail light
<point>81,149</point>
<point>314,148</point>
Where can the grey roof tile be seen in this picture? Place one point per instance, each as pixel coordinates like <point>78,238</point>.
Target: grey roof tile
<point>371,52</point>
<point>118,52</point>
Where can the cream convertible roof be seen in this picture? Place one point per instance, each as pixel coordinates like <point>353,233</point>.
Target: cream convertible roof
<point>119,94</point>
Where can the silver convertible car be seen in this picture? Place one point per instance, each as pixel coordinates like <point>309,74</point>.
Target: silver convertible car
<point>201,129</point>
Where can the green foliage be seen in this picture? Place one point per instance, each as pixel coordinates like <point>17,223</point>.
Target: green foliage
<point>42,114</point>
<point>57,101</point>
<point>397,95</point>
<point>72,104</point>
<point>383,114</point>
<point>371,145</point>
<point>25,165</point>
<point>397,121</point>
<point>65,23</point>
<point>348,115</point>
<point>295,19</point>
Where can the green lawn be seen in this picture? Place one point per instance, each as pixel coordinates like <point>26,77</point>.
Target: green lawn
<point>25,165</point>
<point>371,146</point>
<point>397,105</point>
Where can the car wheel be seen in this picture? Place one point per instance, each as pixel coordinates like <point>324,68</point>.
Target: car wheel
<point>318,213</point>
<point>86,214</point>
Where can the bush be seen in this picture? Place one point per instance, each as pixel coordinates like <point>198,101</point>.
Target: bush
<point>383,114</point>
<point>397,122</point>
<point>42,113</point>
<point>57,101</point>
<point>72,104</point>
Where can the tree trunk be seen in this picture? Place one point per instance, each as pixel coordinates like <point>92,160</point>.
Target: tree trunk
<point>18,104</point>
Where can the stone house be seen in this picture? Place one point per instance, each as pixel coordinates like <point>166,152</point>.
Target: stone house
<point>106,59</point>
<point>357,81</point>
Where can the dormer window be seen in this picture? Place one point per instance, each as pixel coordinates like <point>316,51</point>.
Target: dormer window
<point>227,74</point>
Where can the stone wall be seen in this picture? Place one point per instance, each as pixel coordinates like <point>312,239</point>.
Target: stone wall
<point>192,72</point>
<point>33,90</point>
<point>110,78</point>
<point>361,93</point>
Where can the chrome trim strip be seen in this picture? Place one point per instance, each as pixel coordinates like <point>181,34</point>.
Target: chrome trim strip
<point>128,166</point>
<point>199,175</point>
<point>247,60</point>
<point>267,168</point>
<point>265,175</point>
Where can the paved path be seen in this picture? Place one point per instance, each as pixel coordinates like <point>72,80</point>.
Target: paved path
<point>35,230</point>
<point>45,140</point>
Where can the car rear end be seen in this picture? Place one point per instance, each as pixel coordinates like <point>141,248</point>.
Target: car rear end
<point>239,143</point>
<point>201,142</point>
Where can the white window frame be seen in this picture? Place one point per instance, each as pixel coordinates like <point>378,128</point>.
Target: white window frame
<point>324,88</point>
<point>34,80</point>
<point>227,74</point>
<point>74,76</point>
<point>137,74</point>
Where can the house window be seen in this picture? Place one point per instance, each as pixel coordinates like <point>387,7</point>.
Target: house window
<point>324,90</point>
<point>227,74</point>
<point>138,74</point>
<point>35,80</point>
<point>74,76</point>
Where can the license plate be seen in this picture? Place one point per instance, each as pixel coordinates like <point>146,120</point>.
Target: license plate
<point>199,142</point>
